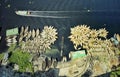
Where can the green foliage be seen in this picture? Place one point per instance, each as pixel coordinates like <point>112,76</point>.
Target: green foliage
<point>118,72</point>
<point>1,56</point>
<point>118,68</point>
<point>12,47</point>
<point>22,59</point>
<point>115,73</point>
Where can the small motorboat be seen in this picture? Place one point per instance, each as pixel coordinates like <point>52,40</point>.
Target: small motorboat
<point>23,13</point>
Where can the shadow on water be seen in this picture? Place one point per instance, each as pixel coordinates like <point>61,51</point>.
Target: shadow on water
<point>52,72</point>
<point>105,75</point>
<point>88,73</point>
<point>3,46</point>
<point>8,71</point>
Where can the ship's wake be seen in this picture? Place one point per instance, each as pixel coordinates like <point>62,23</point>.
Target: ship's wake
<point>62,14</point>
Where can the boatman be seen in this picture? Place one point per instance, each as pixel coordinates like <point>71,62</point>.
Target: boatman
<point>28,12</point>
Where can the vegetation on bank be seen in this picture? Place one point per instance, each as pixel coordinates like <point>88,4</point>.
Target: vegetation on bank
<point>115,72</point>
<point>22,59</point>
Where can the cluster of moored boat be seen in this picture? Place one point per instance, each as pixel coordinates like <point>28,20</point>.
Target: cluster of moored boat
<point>11,40</point>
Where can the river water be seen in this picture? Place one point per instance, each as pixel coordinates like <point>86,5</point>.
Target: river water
<point>95,13</point>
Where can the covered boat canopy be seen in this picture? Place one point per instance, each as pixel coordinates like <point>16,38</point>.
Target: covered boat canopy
<point>78,54</point>
<point>13,31</point>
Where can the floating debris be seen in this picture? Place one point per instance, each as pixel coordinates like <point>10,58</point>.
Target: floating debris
<point>88,10</point>
<point>8,5</point>
<point>30,2</point>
